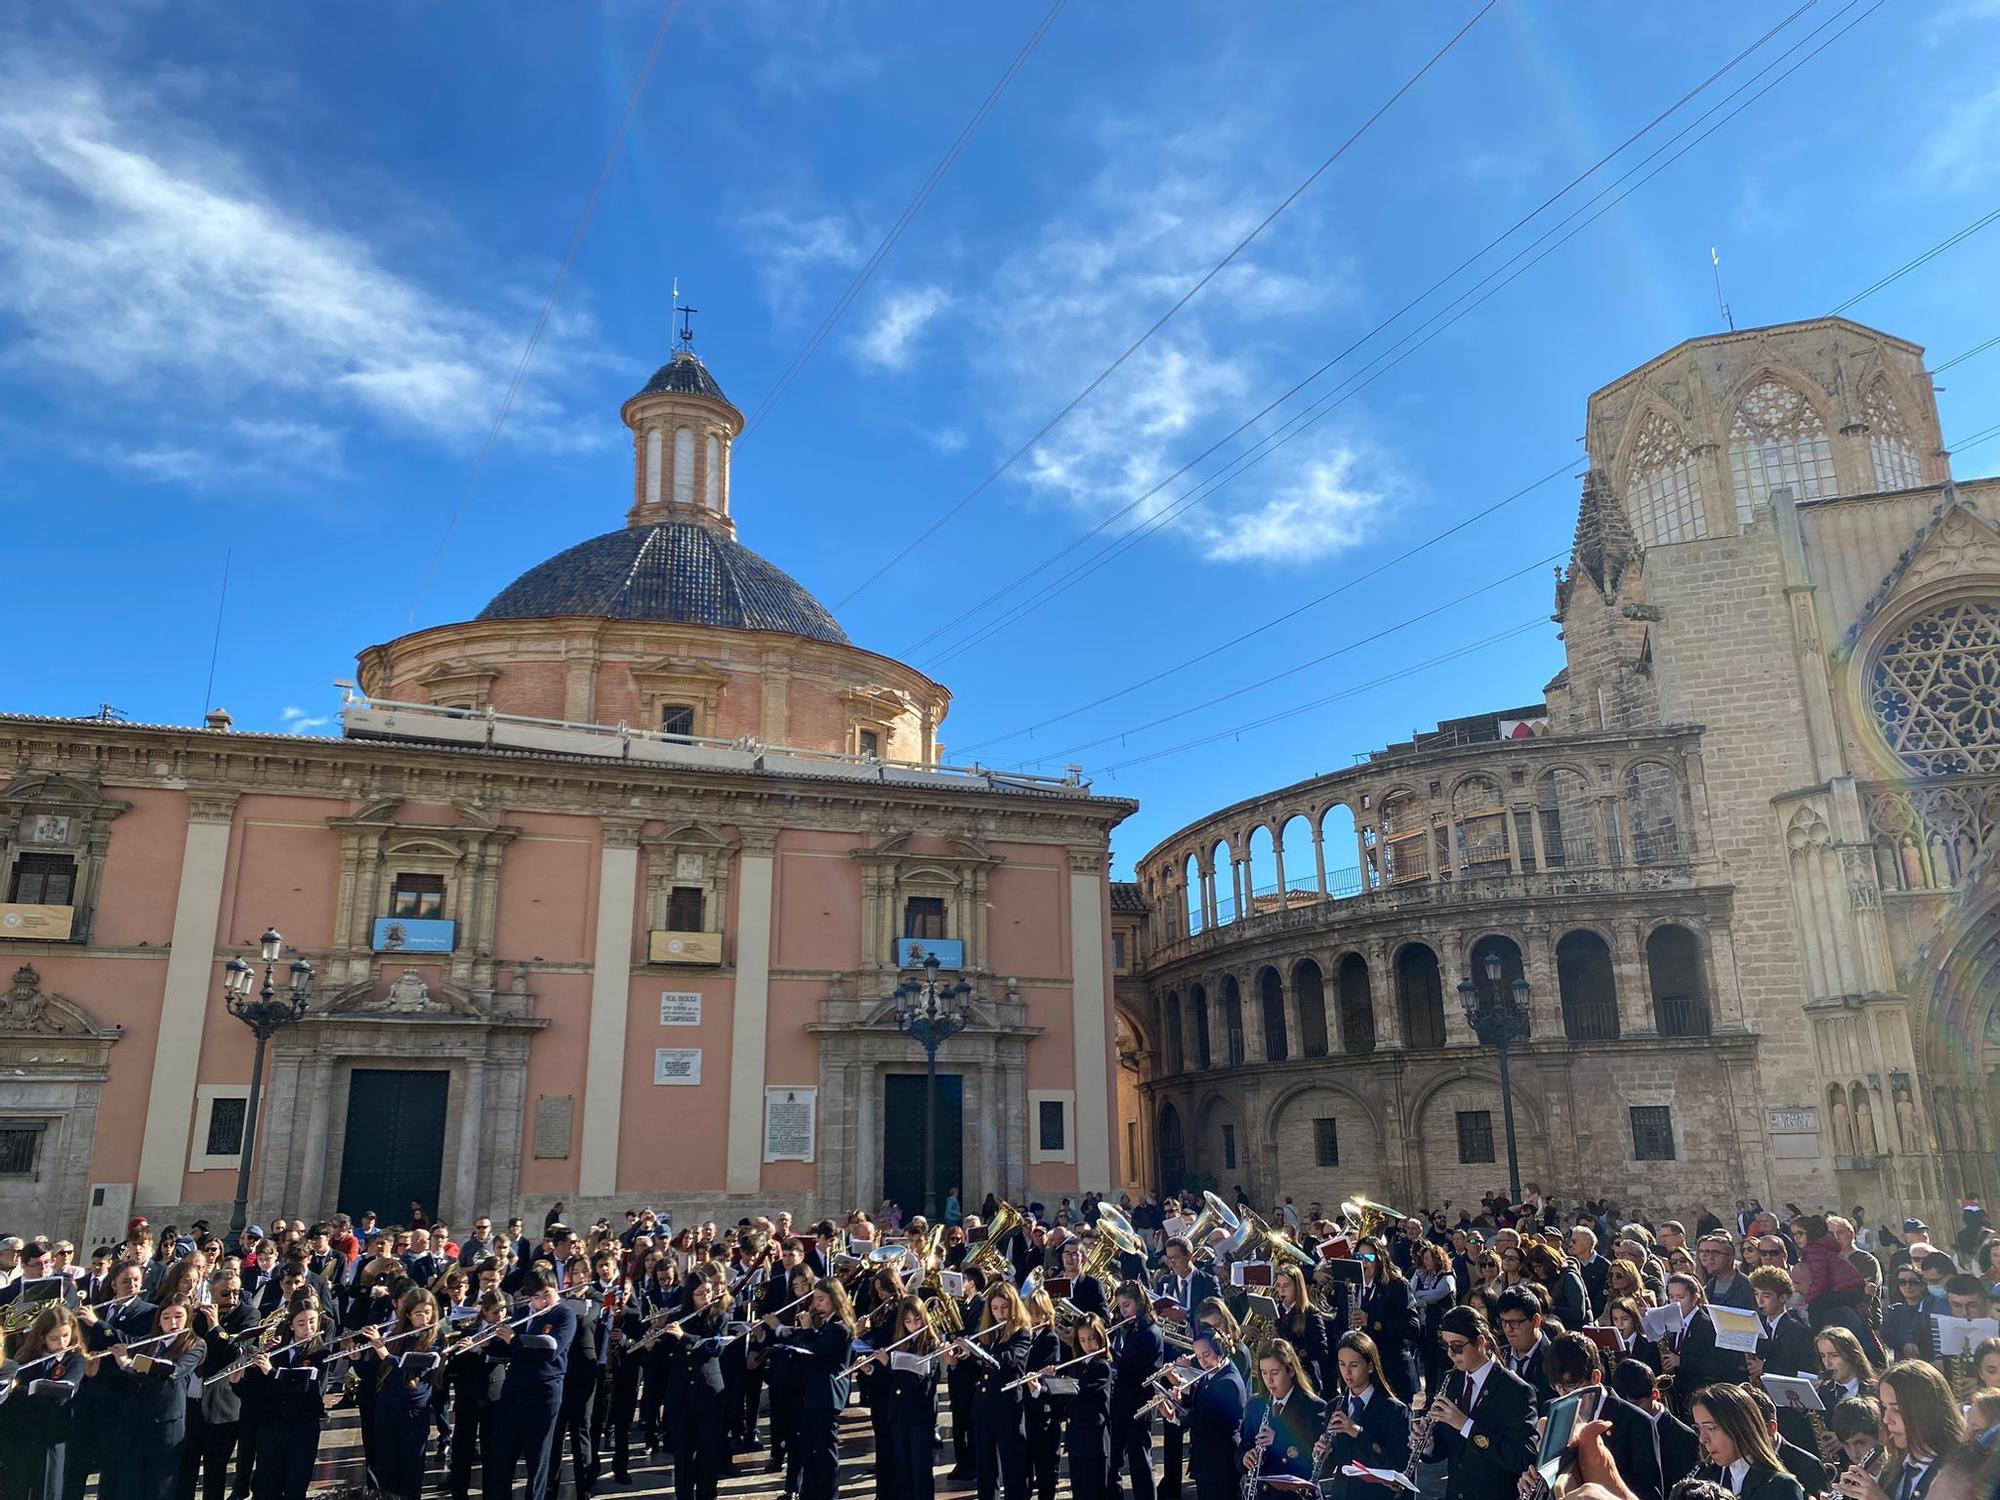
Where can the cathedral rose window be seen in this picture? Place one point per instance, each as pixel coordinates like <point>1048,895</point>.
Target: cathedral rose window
<point>1935,689</point>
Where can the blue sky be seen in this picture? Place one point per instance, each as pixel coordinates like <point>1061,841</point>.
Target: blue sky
<point>266,272</point>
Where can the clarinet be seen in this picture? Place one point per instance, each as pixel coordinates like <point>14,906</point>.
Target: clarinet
<point>1254,1475</point>
<point>1420,1439</point>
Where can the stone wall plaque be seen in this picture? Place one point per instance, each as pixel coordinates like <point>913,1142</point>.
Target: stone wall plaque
<point>677,1065</point>
<point>1794,1133</point>
<point>554,1116</point>
<point>680,1007</point>
<point>789,1121</point>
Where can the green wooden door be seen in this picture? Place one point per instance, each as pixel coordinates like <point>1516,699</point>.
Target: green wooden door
<point>903,1140</point>
<point>394,1151</point>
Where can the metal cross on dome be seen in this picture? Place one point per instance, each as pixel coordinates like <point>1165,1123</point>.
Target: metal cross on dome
<point>686,333</point>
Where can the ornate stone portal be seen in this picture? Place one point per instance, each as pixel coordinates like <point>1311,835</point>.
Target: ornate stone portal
<point>54,1059</point>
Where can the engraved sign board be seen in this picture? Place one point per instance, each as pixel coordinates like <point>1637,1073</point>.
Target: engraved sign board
<point>680,1007</point>
<point>677,1065</point>
<point>554,1116</point>
<point>789,1123</point>
<point>1794,1133</point>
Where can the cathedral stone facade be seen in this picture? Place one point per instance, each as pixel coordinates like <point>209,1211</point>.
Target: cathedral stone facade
<point>1742,850</point>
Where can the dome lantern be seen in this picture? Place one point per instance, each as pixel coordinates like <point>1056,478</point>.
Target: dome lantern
<point>682,428</point>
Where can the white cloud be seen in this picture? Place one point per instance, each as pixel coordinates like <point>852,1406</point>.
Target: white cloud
<point>298,721</point>
<point>1961,149</point>
<point>791,246</point>
<point>136,255</point>
<point>889,342</point>
<point>1326,509</point>
<point>946,439</point>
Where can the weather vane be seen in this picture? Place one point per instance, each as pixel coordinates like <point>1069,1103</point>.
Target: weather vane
<point>686,334</point>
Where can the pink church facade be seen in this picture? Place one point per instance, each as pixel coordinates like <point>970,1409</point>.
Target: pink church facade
<point>608,892</point>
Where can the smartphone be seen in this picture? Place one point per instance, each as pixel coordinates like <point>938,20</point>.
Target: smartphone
<point>1566,1415</point>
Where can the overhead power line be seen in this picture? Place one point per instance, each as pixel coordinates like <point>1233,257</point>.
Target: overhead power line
<point>1910,265</point>
<point>1406,346</point>
<point>930,183</point>
<point>1959,359</point>
<point>1207,276</point>
<point>549,305</point>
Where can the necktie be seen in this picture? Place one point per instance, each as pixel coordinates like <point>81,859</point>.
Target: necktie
<point>1354,1409</point>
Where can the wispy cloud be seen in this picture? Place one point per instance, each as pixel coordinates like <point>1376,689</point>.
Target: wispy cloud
<point>137,255</point>
<point>298,721</point>
<point>790,246</point>
<point>889,342</point>
<point>1961,148</point>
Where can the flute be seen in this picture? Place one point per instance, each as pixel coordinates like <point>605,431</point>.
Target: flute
<point>754,1322</point>
<point>480,1337</point>
<point>248,1360</point>
<point>1055,1369</point>
<point>885,1349</point>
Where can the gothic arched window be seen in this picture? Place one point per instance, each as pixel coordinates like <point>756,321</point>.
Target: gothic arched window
<point>1664,492</point>
<point>1778,441</point>
<point>1890,449</point>
<point>1935,686</point>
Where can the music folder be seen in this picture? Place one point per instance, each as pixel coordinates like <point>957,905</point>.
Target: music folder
<point>1794,1390</point>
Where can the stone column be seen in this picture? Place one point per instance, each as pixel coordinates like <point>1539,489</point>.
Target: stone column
<point>610,1002</point>
<point>163,1148</point>
<point>1541,847</point>
<point>1251,1002</point>
<point>1218,1027</point>
<point>1628,971</point>
<point>1319,859</point>
<point>1387,1003</point>
<point>471,1140</point>
<point>1361,855</point>
<point>750,1011</point>
<point>1295,1032</point>
<point>1091,1010</point>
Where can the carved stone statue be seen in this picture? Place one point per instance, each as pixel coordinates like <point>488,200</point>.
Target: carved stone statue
<point>24,1007</point>
<point>1906,1125</point>
<point>1865,1142</point>
<point>1842,1124</point>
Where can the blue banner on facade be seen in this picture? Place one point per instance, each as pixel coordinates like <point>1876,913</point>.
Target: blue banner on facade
<point>911,952</point>
<point>414,935</point>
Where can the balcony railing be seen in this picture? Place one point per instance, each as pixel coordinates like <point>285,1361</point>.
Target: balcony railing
<point>1417,895</point>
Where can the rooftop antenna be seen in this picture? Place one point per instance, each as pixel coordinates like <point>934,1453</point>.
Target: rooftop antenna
<point>215,650</point>
<point>1722,302</point>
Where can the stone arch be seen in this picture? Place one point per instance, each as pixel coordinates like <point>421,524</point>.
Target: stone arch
<point>1677,976</point>
<point>1567,809</point>
<point>1586,980</point>
<point>1804,464</point>
<point>1434,1129</point>
<point>1232,1021</point>
<point>1172,1148</point>
<point>1309,985</point>
<point>1260,870</point>
<point>1222,864</point>
<point>1357,1006</point>
<point>1336,824</point>
<point>1271,1013</point>
<point>1896,434</point>
<point>1219,1144</point>
<point>1204,1044</point>
<point>1479,824</point>
<point>1296,845</point>
<point>1197,918</point>
<point>1512,965</point>
<point>1405,825</point>
<point>1327,1163</point>
<point>1420,996</point>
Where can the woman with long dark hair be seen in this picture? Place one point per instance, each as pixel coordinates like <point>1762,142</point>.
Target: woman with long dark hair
<point>150,1390</point>
<point>286,1393</point>
<point>1921,1425</point>
<point>1433,1290</point>
<point>1366,1424</point>
<point>1300,1324</point>
<point>823,1338</point>
<point>999,1416</point>
<point>1388,1316</point>
<point>41,1396</point>
<point>909,1400</point>
<point>1737,1449</point>
<point>1137,1350</point>
<point>1285,1418</point>
<point>404,1367</point>
<point>1043,1420</point>
<point>1087,1433</point>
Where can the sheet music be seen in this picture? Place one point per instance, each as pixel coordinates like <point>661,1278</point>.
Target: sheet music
<point>1387,1476</point>
<point>1735,1329</point>
<point>1659,1322</point>
<point>1794,1390</point>
<point>916,1364</point>
<point>1962,1335</point>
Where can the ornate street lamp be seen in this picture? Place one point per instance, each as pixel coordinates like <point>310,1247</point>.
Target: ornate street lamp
<point>931,1012</point>
<point>268,1013</point>
<point>1498,1020</point>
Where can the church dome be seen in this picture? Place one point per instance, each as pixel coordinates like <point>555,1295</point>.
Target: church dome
<point>678,571</point>
<point>684,375</point>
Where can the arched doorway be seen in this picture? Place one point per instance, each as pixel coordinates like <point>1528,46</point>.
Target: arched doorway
<point>1420,996</point>
<point>1311,990</point>
<point>1173,1150</point>
<point>1589,990</point>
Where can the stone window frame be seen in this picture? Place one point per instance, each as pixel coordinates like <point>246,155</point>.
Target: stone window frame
<point>874,710</point>
<point>91,813</point>
<point>679,682</point>
<point>1066,1098</point>
<point>661,853</point>
<point>464,685</point>
<point>1663,491</point>
<point>375,847</point>
<point>205,1096</point>
<point>890,872</point>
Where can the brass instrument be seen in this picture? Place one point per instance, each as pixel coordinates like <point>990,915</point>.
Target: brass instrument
<point>1215,1214</point>
<point>1262,1242</point>
<point>20,1314</point>
<point>942,1322</point>
<point>989,1258</point>
<point>1364,1217</point>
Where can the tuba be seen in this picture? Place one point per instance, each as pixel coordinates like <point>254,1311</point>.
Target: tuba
<point>1215,1214</point>
<point>1363,1217</point>
<point>989,1258</point>
<point>1265,1243</point>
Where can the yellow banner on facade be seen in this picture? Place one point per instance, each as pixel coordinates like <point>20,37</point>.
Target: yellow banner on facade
<point>41,924</point>
<point>685,947</point>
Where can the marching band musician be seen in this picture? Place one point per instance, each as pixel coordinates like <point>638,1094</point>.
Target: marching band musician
<point>474,1377</point>
<point>1573,1362</point>
<point>284,1398</point>
<point>786,1380</point>
<point>1483,1422</point>
<point>1624,1316</point>
<point>1922,1422</point>
<point>1184,1281</point>
<point>881,1294</point>
<point>1087,1292</point>
<point>822,1340</point>
<point>960,1382</point>
<point>1086,1435</point>
<point>1214,1416</point>
<point>36,1423</point>
<point>1518,1313</point>
<point>1043,1419</point>
<point>148,1416</point>
<point>1388,1314</point>
<point>1366,1424</point>
<point>999,1421</point>
<point>1137,1350</point>
<point>700,1400</point>
<point>1736,1446</point>
<point>525,1421</point>
<point>223,1435</point>
<point>1281,1425</point>
<point>665,1295</point>
<point>582,1377</point>
<point>1691,1356</point>
<point>1302,1325</point>
<point>120,1319</point>
<point>910,1399</point>
<point>406,1392</point>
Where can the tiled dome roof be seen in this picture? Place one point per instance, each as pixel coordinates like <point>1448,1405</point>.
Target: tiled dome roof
<point>680,571</point>
<point>686,375</point>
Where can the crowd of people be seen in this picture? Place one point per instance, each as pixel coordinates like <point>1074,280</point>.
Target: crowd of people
<point>1165,1346</point>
